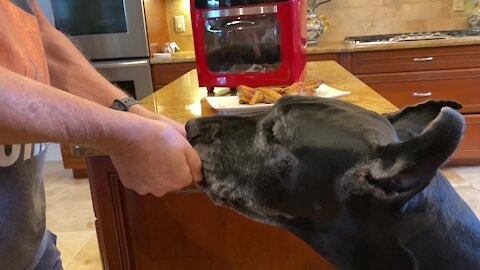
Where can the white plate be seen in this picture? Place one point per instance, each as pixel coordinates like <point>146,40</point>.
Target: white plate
<point>231,105</point>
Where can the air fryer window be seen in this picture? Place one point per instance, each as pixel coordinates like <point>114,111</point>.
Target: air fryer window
<point>243,44</point>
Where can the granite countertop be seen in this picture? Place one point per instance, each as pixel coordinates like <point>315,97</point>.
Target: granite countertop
<point>340,46</point>
<point>183,99</point>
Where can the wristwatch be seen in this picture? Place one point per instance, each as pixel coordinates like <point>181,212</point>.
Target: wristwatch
<point>123,104</point>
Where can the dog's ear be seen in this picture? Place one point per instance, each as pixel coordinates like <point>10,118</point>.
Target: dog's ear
<point>400,170</point>
<point>412,120</point>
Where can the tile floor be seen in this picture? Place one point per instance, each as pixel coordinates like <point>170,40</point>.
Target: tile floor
<point>70,214</point>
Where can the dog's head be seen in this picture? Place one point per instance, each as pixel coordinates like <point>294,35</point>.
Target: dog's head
<point>309,162</point>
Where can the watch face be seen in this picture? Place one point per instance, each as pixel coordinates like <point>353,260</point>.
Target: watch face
<point>118,105</point>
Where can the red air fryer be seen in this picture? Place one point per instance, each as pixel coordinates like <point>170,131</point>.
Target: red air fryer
<point>250,42</point>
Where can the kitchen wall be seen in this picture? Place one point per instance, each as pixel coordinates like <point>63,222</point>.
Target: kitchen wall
<point>367,17</point>
<point>160,24</point>
<point>175,8</point>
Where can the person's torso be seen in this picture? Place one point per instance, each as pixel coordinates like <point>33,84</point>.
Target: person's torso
<point>22,200</point>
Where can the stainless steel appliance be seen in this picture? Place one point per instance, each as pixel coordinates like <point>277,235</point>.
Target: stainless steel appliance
<point>408,37</point>
<point>112,34</point>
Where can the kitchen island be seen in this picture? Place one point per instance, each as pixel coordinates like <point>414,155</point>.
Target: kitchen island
<point>184,230</point>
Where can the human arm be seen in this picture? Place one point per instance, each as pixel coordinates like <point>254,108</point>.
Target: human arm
<point>71,71</point>
<point>144,151</point>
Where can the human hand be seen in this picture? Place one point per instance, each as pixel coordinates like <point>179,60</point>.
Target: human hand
<point>142,111</point>
<point>153,157</point>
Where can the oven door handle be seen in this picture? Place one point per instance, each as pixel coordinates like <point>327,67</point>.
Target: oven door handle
<point>230,12</point>
<point>120,64</point>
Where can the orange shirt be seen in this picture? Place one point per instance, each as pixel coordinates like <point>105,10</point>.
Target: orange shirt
<point>21,47</point>
<point>22,200</point>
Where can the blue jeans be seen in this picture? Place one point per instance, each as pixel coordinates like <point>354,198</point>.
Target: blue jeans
<point>51,257</point>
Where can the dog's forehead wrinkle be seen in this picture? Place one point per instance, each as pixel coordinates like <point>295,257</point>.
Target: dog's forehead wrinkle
<point>373,127</point>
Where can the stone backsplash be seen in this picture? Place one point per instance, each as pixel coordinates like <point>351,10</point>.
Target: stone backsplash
<point>370,17</point>
<point>356,17</point>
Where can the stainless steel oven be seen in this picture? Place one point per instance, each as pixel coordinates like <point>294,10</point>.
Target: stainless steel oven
<point>104,29</point>
<point>112,34</point>
<point>133,76</point>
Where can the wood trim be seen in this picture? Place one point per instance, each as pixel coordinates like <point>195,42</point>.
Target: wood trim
<point>346,61</point>
<point>79,173</point>
<point>106,201</point>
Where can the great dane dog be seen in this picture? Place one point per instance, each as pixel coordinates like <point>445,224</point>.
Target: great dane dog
<point>362,189</point>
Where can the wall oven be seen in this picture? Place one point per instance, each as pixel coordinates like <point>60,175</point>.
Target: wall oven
<point>112,34</point>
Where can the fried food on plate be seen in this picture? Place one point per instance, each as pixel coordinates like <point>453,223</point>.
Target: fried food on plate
<point>257,95</point>
<point>245,93</point>
<point>270,95</point>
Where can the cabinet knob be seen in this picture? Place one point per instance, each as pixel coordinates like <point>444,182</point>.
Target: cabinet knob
<point>424,94</point>
<point>423,59</point>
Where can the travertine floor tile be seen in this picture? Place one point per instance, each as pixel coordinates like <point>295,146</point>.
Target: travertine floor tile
<point>88,258</point>
<point>71,243</point>
<point>70,216</point>
<point>470,175</point>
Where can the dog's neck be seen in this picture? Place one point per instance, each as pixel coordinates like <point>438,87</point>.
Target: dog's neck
<point>435,230</point>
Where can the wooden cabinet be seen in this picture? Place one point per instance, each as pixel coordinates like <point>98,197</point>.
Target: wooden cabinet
<point>344,59</point>
<point>411,76</point>
<point>165,73</point>
<point>409,60</point>
<point>78,165</point>
<point>184,230</point>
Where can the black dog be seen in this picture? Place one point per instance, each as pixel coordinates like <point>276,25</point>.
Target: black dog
<point>361,188</point>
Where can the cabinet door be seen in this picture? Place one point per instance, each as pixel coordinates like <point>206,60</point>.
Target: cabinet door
<point>184,230</point>
<point>163,74</point>
<point>469,149</point>
<point>444,58</point>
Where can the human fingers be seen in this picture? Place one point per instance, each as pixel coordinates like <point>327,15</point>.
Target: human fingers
<point>194,163</point>
<point>176,125</point>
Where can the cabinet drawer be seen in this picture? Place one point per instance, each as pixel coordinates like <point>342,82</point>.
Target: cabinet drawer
<point>163,74</point>
<point>469,148</point>
<point>442,58</point>
<point>407,88</point>
<point>324,57</point>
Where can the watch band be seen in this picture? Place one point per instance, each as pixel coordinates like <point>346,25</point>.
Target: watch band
<point>123,104</point>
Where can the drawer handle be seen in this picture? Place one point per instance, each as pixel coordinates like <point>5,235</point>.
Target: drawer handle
<point>424,94</point>
<point>423,59</point>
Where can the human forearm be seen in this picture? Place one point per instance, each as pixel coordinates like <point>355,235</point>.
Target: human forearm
<point>70,70</point>
<point>34,112</point>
